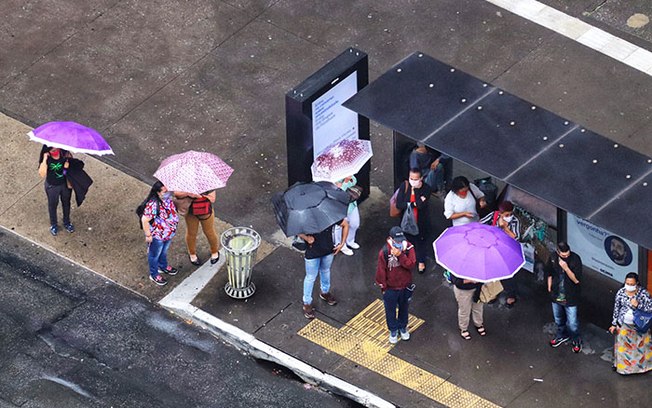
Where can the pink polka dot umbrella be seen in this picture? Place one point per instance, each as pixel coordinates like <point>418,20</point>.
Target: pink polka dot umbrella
<point>193,172</point>
<point>341,159</point>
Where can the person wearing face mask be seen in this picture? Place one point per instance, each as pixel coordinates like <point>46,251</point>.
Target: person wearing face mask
<point>564,274</point>
<point>416,194</point>
<point>396,261</point>
<point>505,219</point>
<point>159,221</point>
<point>632,350</point>
<point>460,202</point>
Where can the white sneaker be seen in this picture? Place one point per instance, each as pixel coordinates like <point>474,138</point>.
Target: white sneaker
<point>393,338</point>
<point>405,335</point>
<point>353,245</point>
<point>346,250</point>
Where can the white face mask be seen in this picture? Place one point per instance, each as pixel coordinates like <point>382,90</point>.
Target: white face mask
<point>508,219</point>
<point>630,288</point>
<point>415,183</point>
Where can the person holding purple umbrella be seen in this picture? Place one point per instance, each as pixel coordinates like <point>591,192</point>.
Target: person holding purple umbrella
<point>53,164</point>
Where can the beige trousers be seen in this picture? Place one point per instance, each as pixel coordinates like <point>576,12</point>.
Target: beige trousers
<point>208,226</point>
<point>466,308</point>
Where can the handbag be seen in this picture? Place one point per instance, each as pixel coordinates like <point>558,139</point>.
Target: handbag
<point>642,321</point>
<point>393,209</point>
<point>201,208</point>
<point>490,291</point>
<point>299,243</point>
<point>408,223</point>
<point>354,193</point>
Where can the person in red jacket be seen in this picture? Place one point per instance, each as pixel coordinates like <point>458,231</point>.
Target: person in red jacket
<point>396,261</point>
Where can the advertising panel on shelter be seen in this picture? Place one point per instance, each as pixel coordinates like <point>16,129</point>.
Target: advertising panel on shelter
<point>602,251</point>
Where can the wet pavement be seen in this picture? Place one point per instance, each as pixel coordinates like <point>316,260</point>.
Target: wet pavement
<point>164,77</point>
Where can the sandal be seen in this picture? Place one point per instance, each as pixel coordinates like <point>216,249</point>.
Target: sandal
<point>465,334</point>
<point>481,331</point>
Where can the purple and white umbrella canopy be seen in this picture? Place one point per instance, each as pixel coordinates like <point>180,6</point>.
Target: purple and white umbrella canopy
<point>71,136</point>
<point>478,252</point>
<point>341,159</point>
<point>193,172</point>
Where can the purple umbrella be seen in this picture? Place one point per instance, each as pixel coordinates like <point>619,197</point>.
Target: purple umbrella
<point>478,252</point>
<point>71,136</point>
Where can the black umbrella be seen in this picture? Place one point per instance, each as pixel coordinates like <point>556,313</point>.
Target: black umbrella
<point>309,208</point>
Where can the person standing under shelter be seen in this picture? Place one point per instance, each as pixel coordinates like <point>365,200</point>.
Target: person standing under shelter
<point>564,275</point>
<point>460,202</point>
<point>416,194</point>
<point>396,260</point>
<point>318,260</point>
<point>505,219</point>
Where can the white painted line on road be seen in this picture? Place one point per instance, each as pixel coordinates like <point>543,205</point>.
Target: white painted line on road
<point>580,31</point>
<point>179,301</point>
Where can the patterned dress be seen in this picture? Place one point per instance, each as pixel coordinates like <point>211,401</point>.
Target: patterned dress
<point>632,350</point>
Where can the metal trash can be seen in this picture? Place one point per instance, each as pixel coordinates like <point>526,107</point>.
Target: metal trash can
<point>240,245</point>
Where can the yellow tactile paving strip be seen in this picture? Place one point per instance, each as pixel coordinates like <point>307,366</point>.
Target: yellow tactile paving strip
<point>364,341</point>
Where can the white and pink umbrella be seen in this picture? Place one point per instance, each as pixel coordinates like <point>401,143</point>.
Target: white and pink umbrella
<point>193,172</point>
<point>341,159</point>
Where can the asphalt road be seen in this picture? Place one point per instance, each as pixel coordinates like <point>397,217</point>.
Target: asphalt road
<point>69,338</point>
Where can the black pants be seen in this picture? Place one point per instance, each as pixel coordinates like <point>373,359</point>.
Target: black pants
<point>56,193</point>
<point>510,287</point>
<point>421,247</point>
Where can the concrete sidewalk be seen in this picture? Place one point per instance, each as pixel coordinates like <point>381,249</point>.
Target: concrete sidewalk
<point>347,344</point>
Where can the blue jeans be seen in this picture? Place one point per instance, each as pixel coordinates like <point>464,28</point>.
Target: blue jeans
<point>566,320</point>
<point>157,256</point>
<point>393,298</point>
<point>321,266</point>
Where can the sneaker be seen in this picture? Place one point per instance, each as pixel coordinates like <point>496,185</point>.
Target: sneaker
<point>328,298</point>
<point>353,245</point>
<point>447,276</point>
<point>577,346</point>
<point>69,228</point>
<point>405,335</point>
<point>169,271</point>
<point>159,280</point>
<point>393,337</point>
<point>54,230</point>
<point>308,312</point>
<point>558,341</point>
<point>346,250</point>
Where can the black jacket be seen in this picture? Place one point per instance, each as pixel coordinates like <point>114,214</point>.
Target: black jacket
<point>403,198</point>
<point>79,179</point>
<point>571,291</point>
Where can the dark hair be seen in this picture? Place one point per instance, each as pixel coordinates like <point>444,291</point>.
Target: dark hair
<point>153,192</point>
<point>459,183</point>
<point>46,149</point>
<point>416,170</point>
<point>563,247</point>
<point>632,275</point>
<point>506,206</point>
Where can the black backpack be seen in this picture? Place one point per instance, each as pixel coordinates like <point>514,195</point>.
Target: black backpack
<point>140,210</point>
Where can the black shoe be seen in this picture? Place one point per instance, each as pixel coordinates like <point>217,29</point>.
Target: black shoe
<point>159,280</point>
<point>215,260</point>
<point>69,228</point>
<point>54,230</point>
<point>196,262</point>
<point>169,271</point>
<point>577,346</point>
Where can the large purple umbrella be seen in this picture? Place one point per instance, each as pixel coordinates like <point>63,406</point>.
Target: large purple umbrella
<point>193,172</point>
<point>478,252</point>
<point>71,136</point>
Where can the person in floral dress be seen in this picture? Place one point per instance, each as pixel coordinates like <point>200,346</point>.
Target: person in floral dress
<point>632,350</point>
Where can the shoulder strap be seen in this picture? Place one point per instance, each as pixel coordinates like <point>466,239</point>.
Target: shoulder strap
<point>495,220</point>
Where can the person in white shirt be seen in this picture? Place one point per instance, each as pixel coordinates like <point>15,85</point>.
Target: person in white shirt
<point>459,205</point>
